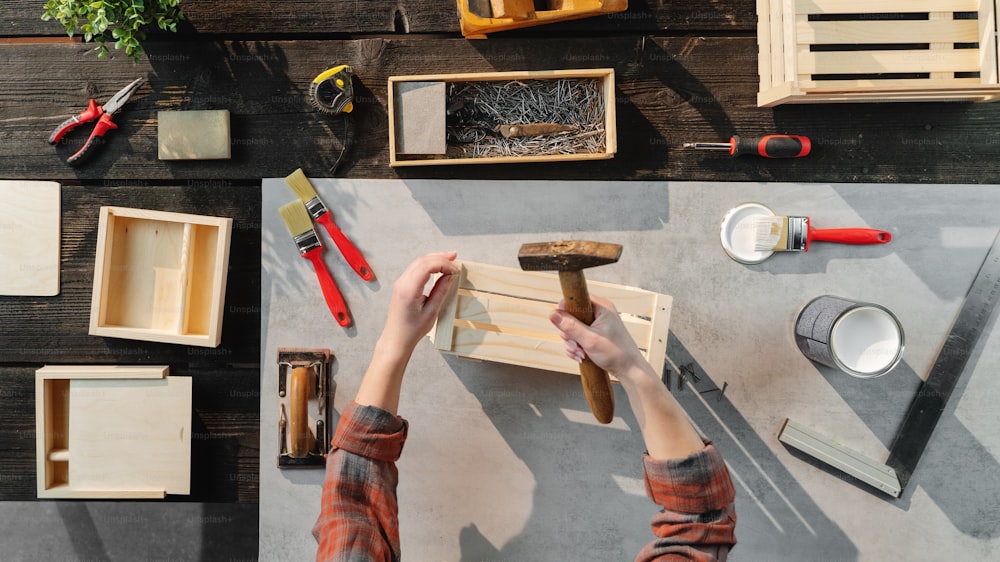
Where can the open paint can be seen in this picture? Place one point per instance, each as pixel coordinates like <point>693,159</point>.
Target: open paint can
<point>864,340</point>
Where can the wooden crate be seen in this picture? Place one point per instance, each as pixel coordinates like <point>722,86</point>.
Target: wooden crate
<point>112,432</point>
<point>160,276</point>
<point>502,314</point>
<point>820,51</point>
<point>605,75</point>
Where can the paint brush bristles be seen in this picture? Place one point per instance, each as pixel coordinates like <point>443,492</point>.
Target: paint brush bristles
<point>299,225</point>
<point>301,185</point>
<point>771,233</point>
<point>304,189</point>
<point>781,234</point>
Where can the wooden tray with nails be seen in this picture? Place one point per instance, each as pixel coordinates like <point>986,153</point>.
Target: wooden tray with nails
<point>398,119</point>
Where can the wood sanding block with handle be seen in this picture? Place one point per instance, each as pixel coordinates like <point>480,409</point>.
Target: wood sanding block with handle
<point>305,399</point>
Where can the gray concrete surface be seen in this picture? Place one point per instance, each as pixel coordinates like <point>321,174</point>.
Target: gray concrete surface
<point>504,463</point>
<point>94,531</point>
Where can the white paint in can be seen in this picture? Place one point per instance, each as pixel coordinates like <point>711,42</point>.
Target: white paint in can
<point>867,341</point>
<point>864,340</point>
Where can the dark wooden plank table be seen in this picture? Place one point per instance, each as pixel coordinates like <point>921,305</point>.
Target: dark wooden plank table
<point>685,71</point>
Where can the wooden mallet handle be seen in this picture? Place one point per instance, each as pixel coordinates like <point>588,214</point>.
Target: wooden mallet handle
<point>596,382</point>
<point>298,397</point>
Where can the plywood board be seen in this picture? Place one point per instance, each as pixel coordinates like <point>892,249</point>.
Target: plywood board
<point>110,431</point>
<point>127,435</point>
<point>29,238</point>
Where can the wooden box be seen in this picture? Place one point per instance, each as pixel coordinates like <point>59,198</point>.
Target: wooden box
<point>112,432</point>
<point>502,314</point>
<point>815,51</point>
<point>160,276</point>
<point>605,76</point>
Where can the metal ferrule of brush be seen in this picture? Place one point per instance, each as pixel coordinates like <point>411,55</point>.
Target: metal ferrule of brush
<point>315,207</point>
<point>798,233</point>
<point>307,241</point>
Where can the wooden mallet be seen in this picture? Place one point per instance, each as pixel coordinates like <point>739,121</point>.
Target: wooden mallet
<point>570,258</point>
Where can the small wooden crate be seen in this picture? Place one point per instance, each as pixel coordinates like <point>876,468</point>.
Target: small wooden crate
<point>821,51</point>
<point>607,81</point>
<point>112,432</point>
<point>502,314</point>
<point>160,276</point>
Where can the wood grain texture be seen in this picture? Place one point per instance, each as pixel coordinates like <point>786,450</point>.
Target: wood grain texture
<point>669,91</point>
<point>130,437</point>
<point>54,330</point>
<point>22,17</point>
<point>225,438</point>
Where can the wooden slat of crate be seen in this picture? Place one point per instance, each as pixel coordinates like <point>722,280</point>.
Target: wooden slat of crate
<point>540,287</point>
<point>989,50</point>
<point>787,30</point>
<point>501,314</point>
<point>901,85</point>
<point>875,62</point>
<point>883,6</point>
<point>891,31</point>
<point>504,313</point>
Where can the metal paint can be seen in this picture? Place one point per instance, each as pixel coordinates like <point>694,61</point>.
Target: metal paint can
<point>862,339</point>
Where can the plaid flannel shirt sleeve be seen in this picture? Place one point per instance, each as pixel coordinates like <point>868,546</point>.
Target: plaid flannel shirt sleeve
<point>698,519</point>
<point>358,517</point>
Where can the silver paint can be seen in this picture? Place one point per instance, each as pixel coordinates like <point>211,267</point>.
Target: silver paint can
<point>862,339</point>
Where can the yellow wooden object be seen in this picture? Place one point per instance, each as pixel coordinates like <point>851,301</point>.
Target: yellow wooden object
<point>502,314</point>
<point>821,51</point>
<point>515,14</point>
<point>160,276</point>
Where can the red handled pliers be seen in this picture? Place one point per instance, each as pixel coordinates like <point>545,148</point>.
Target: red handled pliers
<point>104,124</point>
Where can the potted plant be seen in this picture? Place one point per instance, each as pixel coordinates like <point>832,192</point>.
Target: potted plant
<point>117,21</point>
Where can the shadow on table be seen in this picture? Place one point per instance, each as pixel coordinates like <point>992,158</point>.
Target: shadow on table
<point>549,427</point>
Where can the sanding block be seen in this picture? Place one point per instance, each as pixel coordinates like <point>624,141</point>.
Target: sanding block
<point>420,118</point>
<point>194,135</point>
<point>305,400</point>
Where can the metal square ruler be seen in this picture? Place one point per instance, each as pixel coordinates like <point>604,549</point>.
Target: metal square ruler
<point>927,406</point>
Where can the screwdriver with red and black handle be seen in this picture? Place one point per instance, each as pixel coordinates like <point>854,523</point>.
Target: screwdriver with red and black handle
<point>768,146</point>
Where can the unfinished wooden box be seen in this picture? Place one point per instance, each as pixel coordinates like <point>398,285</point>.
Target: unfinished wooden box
<point>814,51</point>
<point>160,276</point>
<point>502,314</point>
<point>605,76</point>
<point>112,432</point>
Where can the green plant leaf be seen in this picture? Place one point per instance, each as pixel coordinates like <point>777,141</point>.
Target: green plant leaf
<point>118,20</point>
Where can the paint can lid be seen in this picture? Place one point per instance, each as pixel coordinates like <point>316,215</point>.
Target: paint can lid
<point>738,232</point>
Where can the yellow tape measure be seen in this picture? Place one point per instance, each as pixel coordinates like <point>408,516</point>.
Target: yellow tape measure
<point>332,91</point>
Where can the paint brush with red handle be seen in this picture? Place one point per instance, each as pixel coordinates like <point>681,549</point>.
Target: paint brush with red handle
<point>302,187</point>
<point>793,234</point>
<point>300,226</point>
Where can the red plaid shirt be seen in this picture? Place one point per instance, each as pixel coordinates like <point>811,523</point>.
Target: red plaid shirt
<point>358,518</point>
